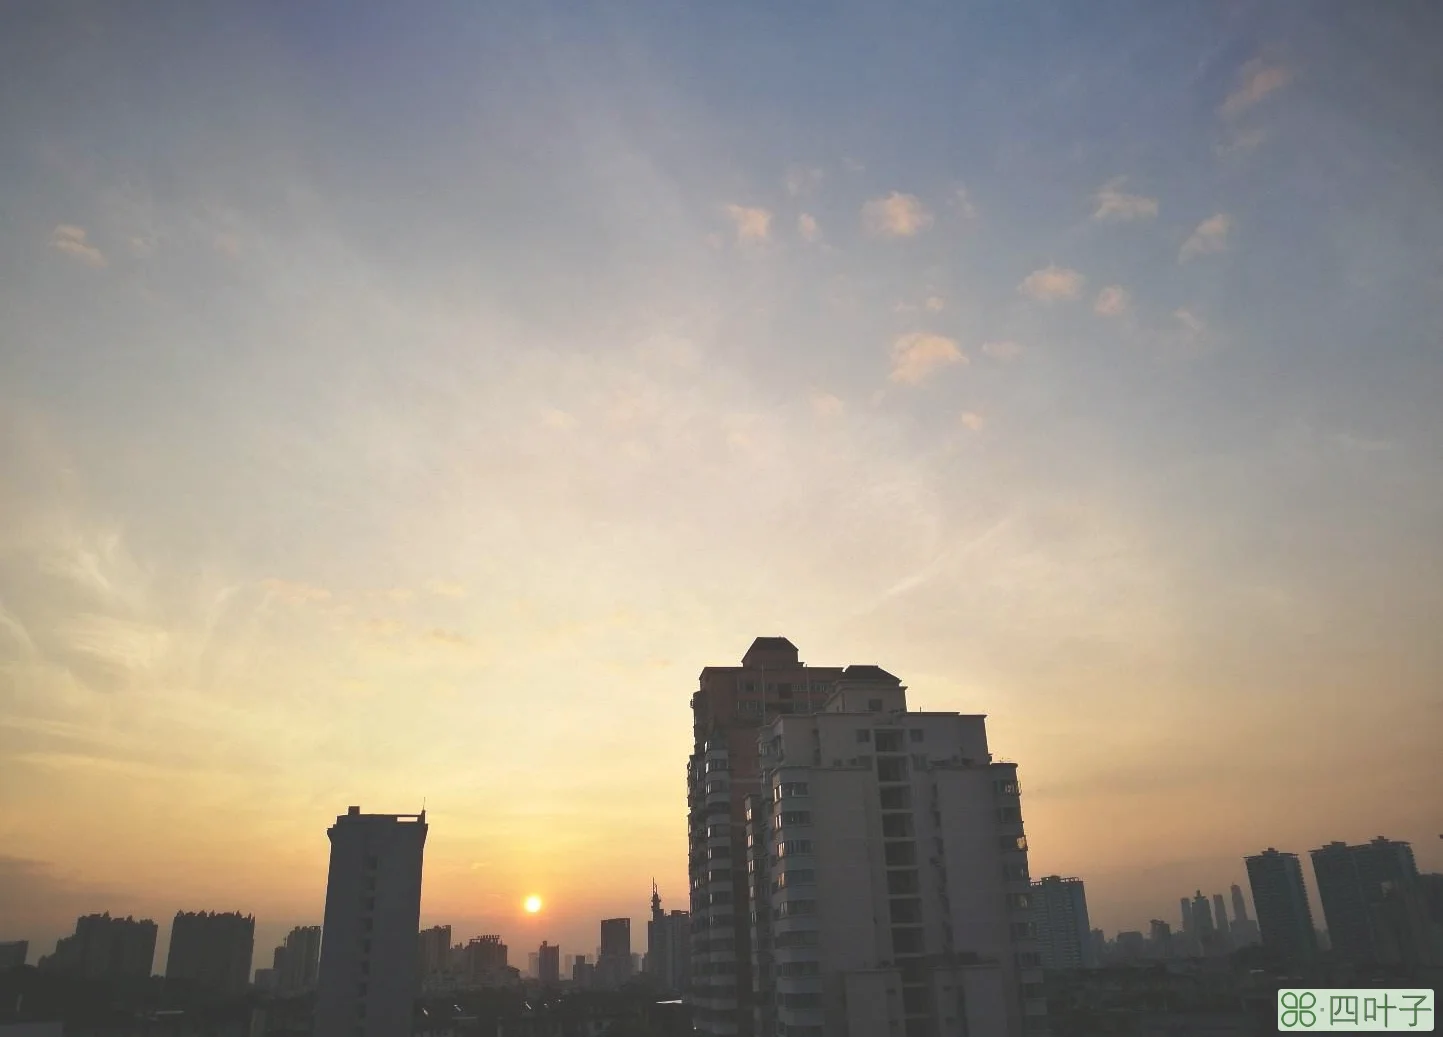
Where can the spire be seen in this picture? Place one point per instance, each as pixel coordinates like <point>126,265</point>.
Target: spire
<point>655,901</point>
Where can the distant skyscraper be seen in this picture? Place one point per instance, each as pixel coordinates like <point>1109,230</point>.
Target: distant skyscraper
<point>1352,880</point>
<point>582,972</point>
<point>1202,916</point>
<point>484,957</point>
<point>613,965</point>
<point>106,948</point>
<point>13,954</point>
<point>1131,946</point>
<point>1159,938</point>
<point>1185,905</point>
<point>668,947</point>
<point>368,975</point>
<point>549,964</point>
<point>1285,921</point>
<point>298,965</point>
<point>889,863</point>
<point>212,951</point>
<point>1059,910</point>
<point>533,964</point>
<point>1220,915</point>
<point>1240,907</point>
<point>433,949</point>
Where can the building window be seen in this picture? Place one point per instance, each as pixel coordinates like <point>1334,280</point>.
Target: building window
<point>874,705</point>
<point>792,847</point>
<point>1023,931</point>
<point>899,854</point>
<point>1018,901</point>
<point>888,741</point>
<point>903,883</point>
<point>795,877</point>
<point>1013,842</point>
<point>915,734</point>
<point>897,798</point>
<point>1015,872</point>
<point>793,788</point>
<point>1029,960</point>
<point>897,826</point>
<point>892,769</point>
<point>915,1000</point>
<point>864,735</point>
<point>907,941</point>
<point>906,911</point>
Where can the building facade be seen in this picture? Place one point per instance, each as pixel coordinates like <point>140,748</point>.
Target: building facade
<point>433,951</point>
<point>728,710</point>
<point>103,947</point>
<point>13,953</point>
<point>548,964</point>
<point>212,950</point>
<point>1352,881</point>
<point>668,947</point>
<point>1280,899</point>
<point>613,964</point>
<point>297,961</point>
<point>368,973</point>
<point>889,891</point>
<point>1059,911</point>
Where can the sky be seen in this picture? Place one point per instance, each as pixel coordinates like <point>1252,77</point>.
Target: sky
<point>402,404</point>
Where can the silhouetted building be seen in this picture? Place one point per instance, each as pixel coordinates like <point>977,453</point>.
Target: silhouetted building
<point>433,949</point>
<point>1220,917</point>
<point>297,961</point>
<point>1130,946</point>
<point>368,978</point>
<point>548,964</point>
<point>613,965</point>
<point>212,950</point>
<point>889,864</point>
<point>1285,921</point>
<point>1159,939</point>
<point>484,956</point>
<point>1059,911</point>
<point>583,973</point>
<point>1350,882</point>
<point>1185,906</point>
<point>1244,930</point>
<point>105,948</point>
<point>266,980</point>
<point>730,705</point>
<point>668,947</point>
<point>13,953</point>
<point>533,965</point>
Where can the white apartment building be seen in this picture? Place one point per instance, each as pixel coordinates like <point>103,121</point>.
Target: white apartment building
<point>368,972</point>
<point>888,882</point>
<point>1059,911</point>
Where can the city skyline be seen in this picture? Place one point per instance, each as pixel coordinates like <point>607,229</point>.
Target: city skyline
<point>414,434</point>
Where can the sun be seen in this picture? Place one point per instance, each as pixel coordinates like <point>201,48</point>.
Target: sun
<point>532,904</point>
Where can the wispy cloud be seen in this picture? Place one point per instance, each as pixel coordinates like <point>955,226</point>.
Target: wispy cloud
<point>826,405</point>
<point>920,354</point>
<point>1210,236</point>
<point>1113,203</point>
<point>72,240</point>
<point>293,593</point>
<point>445,589</point>
<point>752,224</point>
<point>1003,350</point>
<point>1258,79</point>
<point>802,180</point>
<point>1241,142</point>
<point>934,304</point>
<point>1112,301</point>
<point>807,227</point>
<point>972,421</point>
<point>1052,284</point>
<point>961,201</point>
<point>896,215</point>
<point>1191,323</point>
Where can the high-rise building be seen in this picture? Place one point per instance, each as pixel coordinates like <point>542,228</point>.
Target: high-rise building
<point>297,961</point>
<point>1220,916</point>
<point>1131,946</point>
<point>1059,911</point>
<point>1185,904</point>
<point>1351,881</point>
<point>533,965</point>
<point>433,949</point>
<point>668,947</point>
<point>613,962</point>
<point>1202,916</point>
<point>368,975</point>
<point>1244,929</point>
<point>729,707</point>
<point>106,948</point>
<point>1240,906</point>
<point>212,950</point>
<point>1159,938</point>
<point>582,972</point>
<point>888,867</point>
<point>1285,921</point>
<point>13,954</point>
<point>549,964</point>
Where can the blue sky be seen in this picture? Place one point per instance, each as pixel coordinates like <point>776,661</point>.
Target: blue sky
<point>408,402</point>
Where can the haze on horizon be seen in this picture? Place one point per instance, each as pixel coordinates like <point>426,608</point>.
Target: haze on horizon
<point>403,405</point>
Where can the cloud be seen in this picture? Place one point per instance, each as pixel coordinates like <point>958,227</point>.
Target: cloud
<point>552,417</point>
<point>72,241</point>
<point>1112,301</point>
<point>1190,321</point>
<point>896,216</point>
<point>1210,236</point>
<point>1052,283</point>
<point>1002,350</point>
<point>962,202</point>
<point>1239,143</point>
<point>442,589</point>
<point>801,180</point>
<point>807,227</point>
<point>452,638</point>
<point>825,405</point>
<point>918,355</point>
<point>1114,204</point>
<point>934,303</point>
<point>972,420</point>
<point>295,593</point>
<point>1259,79</point>
<point>752,224</point>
